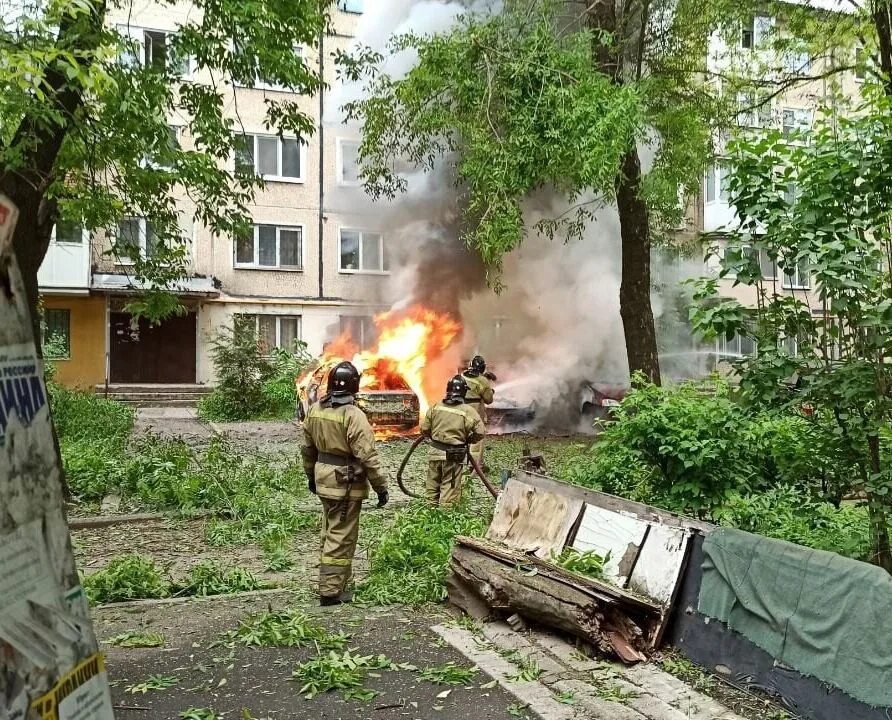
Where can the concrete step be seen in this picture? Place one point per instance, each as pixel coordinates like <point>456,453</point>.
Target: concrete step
<point>153,388</point>
<point>160,403</point>
<point>154,396</point>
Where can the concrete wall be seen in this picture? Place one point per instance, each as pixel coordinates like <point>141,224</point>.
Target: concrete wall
<point>86,365</point>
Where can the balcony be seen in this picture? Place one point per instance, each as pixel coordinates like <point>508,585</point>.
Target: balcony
<point>66,267</point>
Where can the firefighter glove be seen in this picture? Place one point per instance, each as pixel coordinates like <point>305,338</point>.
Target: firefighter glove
<point>311,484</point>
<point>490,376</point>
<point>383,498</point>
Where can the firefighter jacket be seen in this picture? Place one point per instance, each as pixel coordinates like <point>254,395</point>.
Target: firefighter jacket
<point>480,393</point>
<point>339,452</point>
<point>454,425</point>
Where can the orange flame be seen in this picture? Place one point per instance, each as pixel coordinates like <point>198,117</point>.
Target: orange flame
<point>408,342</point>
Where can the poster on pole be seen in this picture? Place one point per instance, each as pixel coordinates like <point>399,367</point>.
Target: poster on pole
<point>50,666</point>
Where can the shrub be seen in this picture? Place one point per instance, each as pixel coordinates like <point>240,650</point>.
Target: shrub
<point>93,467</point>
<point>128,577</point>
<point>251,383</point>
<point>211,578</point>
<point>80,415</point>
<point>409,563</point>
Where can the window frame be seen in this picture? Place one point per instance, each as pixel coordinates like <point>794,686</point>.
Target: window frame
<point>280,146</point>
<point>66,335</point>
<point>260,84</point>
<point>367,327</point>
<point>257,315</point>
<point>138,33</point>
<point>278,267</point>
<point>794,281</point>
<point>362,233</point>
<point>341,142</point>
<point>143,237</point>
<point>85,237</point>
<point>343,7</point>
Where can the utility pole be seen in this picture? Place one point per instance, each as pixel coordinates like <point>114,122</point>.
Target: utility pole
<point>50,665</point>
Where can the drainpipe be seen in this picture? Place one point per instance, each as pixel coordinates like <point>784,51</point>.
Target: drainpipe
<point>321,163</point>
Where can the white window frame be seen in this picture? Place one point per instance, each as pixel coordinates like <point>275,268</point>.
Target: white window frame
<point>302,147</point>
<point>711,172</point>
<point>138,34</point>
<point>795,281</point>
<point>755,116</point>
<point>85,237</point>
<point>798,61</point>
<point>340,159</point>
<point>143,235</point>
<point>278,267</point>
<point>362,233</point>
<point>342,6</point>
<point>366,322</point>
<point>279,318</point>
<point>272,87</point>
<point>733,348</point>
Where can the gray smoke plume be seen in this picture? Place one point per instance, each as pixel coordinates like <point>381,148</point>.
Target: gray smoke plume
<point>557,323</point>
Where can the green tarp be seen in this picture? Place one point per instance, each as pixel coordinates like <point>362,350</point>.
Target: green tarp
<point>824,615</point>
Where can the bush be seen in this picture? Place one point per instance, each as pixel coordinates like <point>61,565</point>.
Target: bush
<point>251,384</point>
<point>80,415</point>
<point>409,563</point>
<point>128,577</point>
<point>792,515</point>
<point>210,578</point>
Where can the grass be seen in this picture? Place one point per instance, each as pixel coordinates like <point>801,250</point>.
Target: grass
<point>128,577</point>
<point>448,674</point>
<point>137,639</point>
<point>153,682</point>
<point>587,563</point>
<point>410,561</point>
<point>286,629</point>
<point>211,578</point>
<point>339,671</point>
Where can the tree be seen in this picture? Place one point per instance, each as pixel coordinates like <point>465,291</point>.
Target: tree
<point>84,132</point>
<point>836,228</point>
<point>562,95</point>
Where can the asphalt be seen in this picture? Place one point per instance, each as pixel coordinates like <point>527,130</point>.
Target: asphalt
<point>240,682</point>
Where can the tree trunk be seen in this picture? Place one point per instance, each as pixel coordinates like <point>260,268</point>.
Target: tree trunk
<point>41,141</point>
<point>879,522</point>
<point>882,18</point>
<point>634,295</point>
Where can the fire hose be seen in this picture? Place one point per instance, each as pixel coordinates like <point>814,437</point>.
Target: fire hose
<point>470,458</point>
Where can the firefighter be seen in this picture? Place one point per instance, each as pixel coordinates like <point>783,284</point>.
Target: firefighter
<point>341,460</point>
<point>480,394</point>
<point>451,426</point>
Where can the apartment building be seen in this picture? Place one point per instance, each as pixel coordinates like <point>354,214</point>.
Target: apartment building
<point>314,263</point>
<point>791,111</point>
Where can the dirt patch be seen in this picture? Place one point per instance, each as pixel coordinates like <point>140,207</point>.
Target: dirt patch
<point>231,680</point>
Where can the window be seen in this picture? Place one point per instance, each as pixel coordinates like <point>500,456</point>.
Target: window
<point>158,53</point>
<point>351,6</point>
<point>710,184</point>
<point>791,193</point>
<point>754,30</point>
<point>755,111</point>
<point>348,162</point>
<point>263,83</point>
<point>362,252</point>
<point>798,61</point>
<point>271,246</point>
<point>800,279</point>
<point>57,328</point>
<point>135,234</point>
<point>796,121</point>
<point>864,61</point>
<point>163,156</point>
<point>724,182</point>
<point>361,329</point>
<point>767,265</point>
<point>737,346</point>
<point>68,232</point>
<point>270,156</point>
<point>273,331</point>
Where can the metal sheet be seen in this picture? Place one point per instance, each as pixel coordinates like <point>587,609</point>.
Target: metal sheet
<point>609,533</point>
<point>660,562</point>
<point>533,520</point>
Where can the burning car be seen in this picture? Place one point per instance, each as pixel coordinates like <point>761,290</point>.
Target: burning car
<point>397,373</point>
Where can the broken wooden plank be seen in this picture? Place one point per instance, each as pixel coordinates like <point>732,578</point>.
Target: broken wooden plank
<point>533,520</point>
<point>612,502</point>
<point>510,582</point>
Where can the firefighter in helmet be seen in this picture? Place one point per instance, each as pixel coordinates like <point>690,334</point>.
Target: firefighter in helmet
<point>480,394</point>
<point>452,426</point>
<point>341,461</point>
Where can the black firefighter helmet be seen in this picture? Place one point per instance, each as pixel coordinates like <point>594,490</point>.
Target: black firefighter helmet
<point>343,380</point>
<point>478,365</point>
<point>456,389</point>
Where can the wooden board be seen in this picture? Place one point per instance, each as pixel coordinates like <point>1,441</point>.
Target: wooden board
<point>533,520</point>
<point>610,533</point>
<point>660,563</point>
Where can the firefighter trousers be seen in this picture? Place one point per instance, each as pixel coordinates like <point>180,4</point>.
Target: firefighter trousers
<point>340,530</point>
<point>444,482</point>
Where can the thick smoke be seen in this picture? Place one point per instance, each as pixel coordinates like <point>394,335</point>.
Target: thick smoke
<point>556,324</point>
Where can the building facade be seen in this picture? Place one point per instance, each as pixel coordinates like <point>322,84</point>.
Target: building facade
<point>312,266</point>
